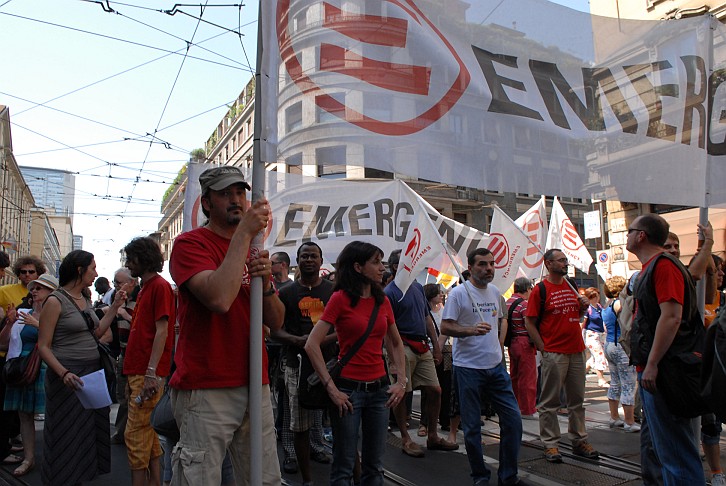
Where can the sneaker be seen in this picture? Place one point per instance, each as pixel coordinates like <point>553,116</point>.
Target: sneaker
<point>584,449</point>
<point>534,416</point>
<point>321,457</point>
<point>615,423</point>
<point>635,427</point>
<point>290,465</point>
<point>552,454</point>
<point>718,480</point>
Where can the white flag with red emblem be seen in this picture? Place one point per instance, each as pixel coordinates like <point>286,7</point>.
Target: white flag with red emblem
<point>563,236</point>
<point>534,225</point>
<point>508,245</point>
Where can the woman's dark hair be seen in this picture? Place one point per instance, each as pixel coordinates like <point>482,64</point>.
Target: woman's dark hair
<point>73,266</point>
<point>147,254</point>
<point>352,281</point>
<point>26,302</point>
<point>431,290</point>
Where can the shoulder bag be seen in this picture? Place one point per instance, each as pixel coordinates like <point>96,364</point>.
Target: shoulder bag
<point>23,370</point>
<point>108,363</point>
<point>312,394</point>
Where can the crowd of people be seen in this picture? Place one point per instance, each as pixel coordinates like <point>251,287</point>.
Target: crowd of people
<point>388,343</point>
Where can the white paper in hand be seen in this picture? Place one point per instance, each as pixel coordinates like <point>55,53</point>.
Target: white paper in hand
<point>94,393</point>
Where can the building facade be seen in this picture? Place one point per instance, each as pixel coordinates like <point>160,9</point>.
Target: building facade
<point>52,189</point>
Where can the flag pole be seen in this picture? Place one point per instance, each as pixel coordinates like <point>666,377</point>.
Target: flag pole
<point>258,191</point>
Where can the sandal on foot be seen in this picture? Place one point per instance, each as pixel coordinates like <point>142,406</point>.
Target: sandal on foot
<point>12,459</point>
<point>423,431</point>
<point>23,469</point>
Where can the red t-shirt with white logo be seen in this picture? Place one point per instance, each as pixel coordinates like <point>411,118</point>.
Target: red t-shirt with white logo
<point>350,323</point>
<point>560,326</point>
<point>213,349</point>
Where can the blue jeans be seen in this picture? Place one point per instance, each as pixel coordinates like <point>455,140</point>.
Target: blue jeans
<point>673,440</point>
<point>497,386</point>
<point>369,410</point>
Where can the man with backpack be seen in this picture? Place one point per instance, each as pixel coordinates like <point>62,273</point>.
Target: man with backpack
<point>522,353</point>
<point>665,327</point>
<point>552,319</point>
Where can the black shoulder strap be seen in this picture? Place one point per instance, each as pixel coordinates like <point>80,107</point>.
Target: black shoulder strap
<point>542,299</point>
<point>512,308</point>
<point>354,349</point>
<point>89,322</point>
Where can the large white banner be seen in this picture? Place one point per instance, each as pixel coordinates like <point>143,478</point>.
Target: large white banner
<point>386,214</point>
<point>522,96</point>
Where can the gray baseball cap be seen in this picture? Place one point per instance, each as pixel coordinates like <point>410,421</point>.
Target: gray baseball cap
<point>218,178</point>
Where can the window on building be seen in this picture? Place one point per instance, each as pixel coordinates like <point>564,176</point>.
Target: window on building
<point>293,117</point>
<point>331,162</point>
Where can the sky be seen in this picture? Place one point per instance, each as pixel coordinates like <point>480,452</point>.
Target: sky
<point>119,93</point>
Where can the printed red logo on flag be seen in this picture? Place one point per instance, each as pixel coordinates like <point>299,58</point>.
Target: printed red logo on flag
<point>366,32</point>
<point>499,247</point>
<point>412,250</point>
<point>533,257</point>
<point>570,239</point>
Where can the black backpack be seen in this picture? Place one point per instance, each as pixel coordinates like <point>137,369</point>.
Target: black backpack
<point>713,372</point>
<point>510,313</point>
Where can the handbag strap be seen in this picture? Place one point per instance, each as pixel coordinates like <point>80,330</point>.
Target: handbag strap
<point>85,316</point>
<point>357,345</point>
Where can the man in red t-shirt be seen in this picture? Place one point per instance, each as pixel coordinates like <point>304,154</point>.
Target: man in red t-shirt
<point>669,438</point>
<point>213,267</point>
<point>148,357</point>
<point>559,338</point>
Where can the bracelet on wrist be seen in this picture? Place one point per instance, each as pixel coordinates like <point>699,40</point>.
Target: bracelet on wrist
<point>403,385</point>
<point>270,291</point>
<point>63,376</point>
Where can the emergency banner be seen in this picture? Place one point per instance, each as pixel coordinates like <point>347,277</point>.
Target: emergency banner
<point>391,216</point>
<point>498,96</point>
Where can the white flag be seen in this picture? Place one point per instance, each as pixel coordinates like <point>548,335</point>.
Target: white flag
<point>534,225</point>
<point>563,236</point>
<point>422,250</point>
<point>508,245</point>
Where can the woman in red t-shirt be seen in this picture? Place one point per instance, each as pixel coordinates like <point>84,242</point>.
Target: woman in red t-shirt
<point>362,394</point>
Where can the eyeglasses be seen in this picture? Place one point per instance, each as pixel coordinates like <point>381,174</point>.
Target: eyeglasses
<point>27,272</point>
<point>630,230</point>
<point>561,260</point>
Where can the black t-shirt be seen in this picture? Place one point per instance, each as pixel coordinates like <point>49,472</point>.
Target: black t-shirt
<point>303,308</point>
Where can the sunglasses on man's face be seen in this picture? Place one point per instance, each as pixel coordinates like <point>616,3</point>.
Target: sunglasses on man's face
<point>27,272</point>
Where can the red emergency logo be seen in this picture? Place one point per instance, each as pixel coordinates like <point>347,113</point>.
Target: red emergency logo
<point>499,247</point>
<point>340,65</point>
<point>570,239</point>
<point>412,250</point>
<point>533,224</point>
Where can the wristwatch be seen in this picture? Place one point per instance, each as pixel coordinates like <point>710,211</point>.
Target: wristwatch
<point>270,291</point>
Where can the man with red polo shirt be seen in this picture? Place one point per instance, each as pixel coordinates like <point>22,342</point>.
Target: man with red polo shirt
<point>559,338</point>
<point>213,267</point>
<point>148,357</point>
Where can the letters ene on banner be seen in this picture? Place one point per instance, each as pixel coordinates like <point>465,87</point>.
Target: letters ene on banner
<point>549,79</point>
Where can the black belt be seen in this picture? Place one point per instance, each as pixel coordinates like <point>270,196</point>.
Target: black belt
<point>364,386</point>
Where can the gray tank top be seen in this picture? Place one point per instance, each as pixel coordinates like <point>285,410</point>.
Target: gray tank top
<point>72,340</point>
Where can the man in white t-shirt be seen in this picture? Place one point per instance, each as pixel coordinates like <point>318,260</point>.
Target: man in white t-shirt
<point>472,315</point>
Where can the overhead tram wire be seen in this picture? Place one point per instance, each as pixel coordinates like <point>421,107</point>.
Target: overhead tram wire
<point>239,34</point>
<point>161,117</point>
<point>124,41</point>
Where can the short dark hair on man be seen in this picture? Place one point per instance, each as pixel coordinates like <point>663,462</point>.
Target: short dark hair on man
<point>146,252</point>
<point>307,243</point>
<point>4,260</point>
<point>673,236</point>
<point>549,253</point>
<point>29,260</point>
<point>432,290</point>
<point>656,228</point>
<point>471,257</point>
<point>394,258</point>
<point>522,284</point>
<point>284,257</point>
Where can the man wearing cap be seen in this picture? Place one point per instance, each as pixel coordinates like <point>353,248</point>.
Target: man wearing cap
<point>27,268</point>
<point>212,267</point>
